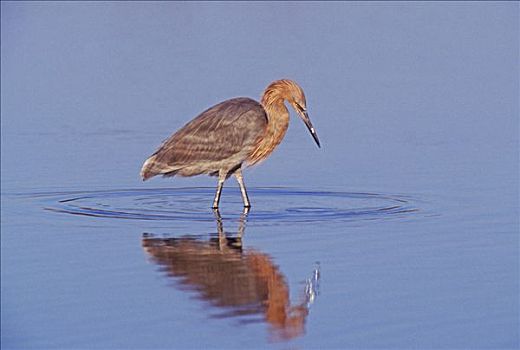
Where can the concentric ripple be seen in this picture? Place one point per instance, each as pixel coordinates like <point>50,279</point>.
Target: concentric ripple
<point>192,204</point>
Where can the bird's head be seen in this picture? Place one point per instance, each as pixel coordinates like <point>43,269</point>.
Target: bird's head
<point>289,90</point>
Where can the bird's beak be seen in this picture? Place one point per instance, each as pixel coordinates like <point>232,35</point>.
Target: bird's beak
<point>307,121</point>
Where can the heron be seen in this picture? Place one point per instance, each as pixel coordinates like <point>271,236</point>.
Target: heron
<point>236,133</point>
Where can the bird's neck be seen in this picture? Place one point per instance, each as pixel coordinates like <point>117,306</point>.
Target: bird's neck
<point>278,122</point>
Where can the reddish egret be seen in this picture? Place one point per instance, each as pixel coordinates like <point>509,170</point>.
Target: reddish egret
<point>232,134</point>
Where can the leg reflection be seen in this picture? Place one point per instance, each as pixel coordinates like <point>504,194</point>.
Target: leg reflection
<point>223,239</point>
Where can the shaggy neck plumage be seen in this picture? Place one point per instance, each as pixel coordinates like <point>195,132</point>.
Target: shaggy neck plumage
<point>278,121</point>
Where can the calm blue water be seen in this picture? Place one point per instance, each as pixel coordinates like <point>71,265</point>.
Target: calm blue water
<point>400,232</point>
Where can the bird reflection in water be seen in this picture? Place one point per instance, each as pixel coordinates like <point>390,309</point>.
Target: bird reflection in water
<point>241,282</point>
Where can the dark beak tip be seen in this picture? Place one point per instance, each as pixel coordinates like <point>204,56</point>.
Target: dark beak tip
<point>307,121</point>
<point>315,137</point>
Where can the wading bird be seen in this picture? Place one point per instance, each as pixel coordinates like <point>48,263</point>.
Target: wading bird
<point>232,134</point>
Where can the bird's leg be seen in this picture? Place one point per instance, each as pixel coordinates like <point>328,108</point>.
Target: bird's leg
<point>221,179</point>
<point>218,218</point>
<point>240,180</point>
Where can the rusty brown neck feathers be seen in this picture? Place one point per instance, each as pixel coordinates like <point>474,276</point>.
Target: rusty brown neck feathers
<point>278,118</point>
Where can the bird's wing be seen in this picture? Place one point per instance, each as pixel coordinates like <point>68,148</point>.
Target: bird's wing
<point>218,133</point>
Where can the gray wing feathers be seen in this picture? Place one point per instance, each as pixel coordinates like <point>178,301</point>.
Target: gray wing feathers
<point>227,131</point>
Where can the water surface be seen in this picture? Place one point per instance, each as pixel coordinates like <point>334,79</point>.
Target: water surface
<point>400,232</point>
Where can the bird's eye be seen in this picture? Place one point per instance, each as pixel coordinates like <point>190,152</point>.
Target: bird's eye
<point>302,109</point>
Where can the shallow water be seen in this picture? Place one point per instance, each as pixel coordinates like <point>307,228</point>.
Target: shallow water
<point>400,232</point>
<point>190,204</point>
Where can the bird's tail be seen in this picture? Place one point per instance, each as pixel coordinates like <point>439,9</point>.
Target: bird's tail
<point>149,169</point>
